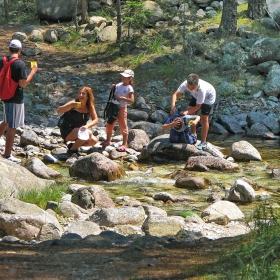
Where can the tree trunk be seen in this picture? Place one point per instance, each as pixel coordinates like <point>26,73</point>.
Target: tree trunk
<point>84,11</point>
<point>228,24</point>
<point>75,15</point>
<point>6,9</point>
<point>119,22</point>
<point>257,9</point>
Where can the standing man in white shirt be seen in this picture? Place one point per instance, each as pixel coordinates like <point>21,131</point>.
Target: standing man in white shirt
<point>203,97</point>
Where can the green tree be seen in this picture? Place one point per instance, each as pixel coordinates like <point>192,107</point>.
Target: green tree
<point>135,15</point>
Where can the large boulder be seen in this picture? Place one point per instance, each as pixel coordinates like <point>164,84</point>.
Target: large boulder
<point>96,167</point>
<point>265,49</point>
<point>16,179</point>
<point>160,146</point>
<point>56,10</point>
<point>27,221</point>
<point>242,192</point>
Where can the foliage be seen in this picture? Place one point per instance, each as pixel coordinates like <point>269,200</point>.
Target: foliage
<point>17,15</point>
<point>135,15</point>
<point>41,197</point>
<point>258,259</point>
<point>188,214</point>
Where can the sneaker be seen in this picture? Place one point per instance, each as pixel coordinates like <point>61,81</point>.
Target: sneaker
<point>13,159</point>
<point>201,145</point>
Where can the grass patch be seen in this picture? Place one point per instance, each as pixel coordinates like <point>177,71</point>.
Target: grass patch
<point>41,197</point>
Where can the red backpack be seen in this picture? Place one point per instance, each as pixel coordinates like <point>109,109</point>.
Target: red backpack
<point>7,85</point>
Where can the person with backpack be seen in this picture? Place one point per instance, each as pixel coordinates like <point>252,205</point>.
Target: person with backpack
<point>182,128</point>
<point>124,94</point>
<point>74,124</point>
<point>203,98</point>
<point>13,107</point>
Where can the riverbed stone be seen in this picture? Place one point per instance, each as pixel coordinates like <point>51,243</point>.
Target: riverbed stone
<point>84,228</point>
<point>92,197</point>
<point>242,192</point>
<point>95,167</point>
<point>211,162</point>
<point>224,208</point>
<point>137,139</point>
<point>37,167</point>
<point>118,216</point>
<point>244,151</point>
<point>162,226</point>
<point>192,183</point>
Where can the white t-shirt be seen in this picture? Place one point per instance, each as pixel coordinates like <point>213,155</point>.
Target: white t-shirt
<point>122,90</point>
<point>204,94</point>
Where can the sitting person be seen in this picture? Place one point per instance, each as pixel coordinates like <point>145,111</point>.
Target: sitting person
<point>74,124</point>
<point>182,128</point>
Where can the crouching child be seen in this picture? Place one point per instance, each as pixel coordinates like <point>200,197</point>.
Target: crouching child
<point>182,128</point>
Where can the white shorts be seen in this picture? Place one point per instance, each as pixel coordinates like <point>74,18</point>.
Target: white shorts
<point>13,114</point>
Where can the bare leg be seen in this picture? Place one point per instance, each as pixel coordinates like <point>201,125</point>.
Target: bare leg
<point>125,137</point>
<point>3,127</point>
<point>10,136</point>
<point>204,127</point>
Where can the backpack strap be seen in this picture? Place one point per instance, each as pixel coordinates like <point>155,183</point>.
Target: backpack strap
<point>111,96</point>
<point>8,63</point>
<point>112,93</point>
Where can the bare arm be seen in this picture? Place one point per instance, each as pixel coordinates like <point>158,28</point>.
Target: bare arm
<point>24,83</point>
<point>129,99</point>
<point>174,123</point>
<point>173,101</point>
<point>94,118</point>
<point>67,107</point>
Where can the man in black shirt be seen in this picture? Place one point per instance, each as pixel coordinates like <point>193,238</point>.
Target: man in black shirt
<point>14,107</point>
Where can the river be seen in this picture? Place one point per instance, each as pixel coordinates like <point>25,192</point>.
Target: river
<point>149,179</point>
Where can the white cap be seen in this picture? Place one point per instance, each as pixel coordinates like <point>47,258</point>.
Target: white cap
<point>127,73</point>
<point>15,44</point>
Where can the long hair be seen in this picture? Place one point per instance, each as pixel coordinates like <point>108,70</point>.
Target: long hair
<point>90,100</point>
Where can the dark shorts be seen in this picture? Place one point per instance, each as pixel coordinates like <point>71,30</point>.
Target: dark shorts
<point>206,109</point>
<point>65,131</point>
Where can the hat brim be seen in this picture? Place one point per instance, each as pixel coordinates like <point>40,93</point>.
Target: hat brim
<point>125,75</point>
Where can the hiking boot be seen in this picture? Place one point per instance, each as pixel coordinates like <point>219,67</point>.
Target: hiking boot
<point>201,145</point>
<point>13,159</point>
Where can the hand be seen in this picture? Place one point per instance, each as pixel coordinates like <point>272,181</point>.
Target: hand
<point>183,113</point>
<point>118,96</point>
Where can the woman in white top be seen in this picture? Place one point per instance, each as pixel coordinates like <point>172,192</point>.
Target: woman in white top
<point>203,97</point>
<point>124,93</point>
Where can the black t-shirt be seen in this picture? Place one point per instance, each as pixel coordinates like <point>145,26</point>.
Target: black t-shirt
<point>18,69</point>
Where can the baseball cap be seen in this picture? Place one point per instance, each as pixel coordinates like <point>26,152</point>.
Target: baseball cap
<point>127,73</point>
<point>15,44</point>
